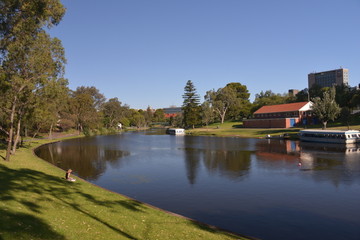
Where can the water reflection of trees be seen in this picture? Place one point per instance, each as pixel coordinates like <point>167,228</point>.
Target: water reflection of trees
<point>87,160</point>
<point>216,156</point>
<point>232,164</point>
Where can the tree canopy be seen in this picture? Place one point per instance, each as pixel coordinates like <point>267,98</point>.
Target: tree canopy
<point>326,108</point>
<point>191,105</point>
<point>24,44</point>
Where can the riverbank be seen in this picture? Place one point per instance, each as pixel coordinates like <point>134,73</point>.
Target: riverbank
<point>37,203</point>
<point>235,129</point>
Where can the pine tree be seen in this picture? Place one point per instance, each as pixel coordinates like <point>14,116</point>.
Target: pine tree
<point>191,106</point>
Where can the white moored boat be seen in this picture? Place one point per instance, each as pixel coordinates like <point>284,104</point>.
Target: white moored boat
<point>330,136</point>
<point>175,131</point>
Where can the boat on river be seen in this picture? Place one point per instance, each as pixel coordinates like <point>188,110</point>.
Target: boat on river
<point>330,136</point>
<point>175,131</point>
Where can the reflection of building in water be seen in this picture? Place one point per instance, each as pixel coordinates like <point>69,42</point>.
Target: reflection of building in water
<point>274,149</point>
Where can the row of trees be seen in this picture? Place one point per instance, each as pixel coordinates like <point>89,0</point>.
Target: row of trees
<point>34,95</point>
<point>232,103</point>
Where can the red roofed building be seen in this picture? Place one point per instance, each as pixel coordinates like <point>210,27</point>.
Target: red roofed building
<point>172,111</point>
<point>281,116</point>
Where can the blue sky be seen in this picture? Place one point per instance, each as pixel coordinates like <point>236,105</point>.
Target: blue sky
<point>144,51</point>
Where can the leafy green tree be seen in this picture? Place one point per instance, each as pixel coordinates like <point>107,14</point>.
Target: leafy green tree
<point>83,107</point>
<point>345,95</point>
<point>207,113</point>
<point>355,99</point>
<point>242,106</point>
<point>302,96</point>
<point>137,119</point>
<point>191,106</point>
<point>98,98</point>
<point>149,114</point>
<point>326,108</point>
<point>113,113</point>
<point>345,116</point>
<point>317,91</point>
<point>49,101</point>
<point>23,45</point>
<point>177,121</point>
<point>159,115</point>
<point>225,99</point>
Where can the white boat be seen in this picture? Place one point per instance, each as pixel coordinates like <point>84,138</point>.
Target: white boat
<point>330,136</point>
<point>175,131</point>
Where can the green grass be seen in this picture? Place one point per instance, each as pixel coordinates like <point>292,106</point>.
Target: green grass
<point>37,203</point>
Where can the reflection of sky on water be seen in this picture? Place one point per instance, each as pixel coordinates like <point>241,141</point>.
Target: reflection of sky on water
<point>250,186</point>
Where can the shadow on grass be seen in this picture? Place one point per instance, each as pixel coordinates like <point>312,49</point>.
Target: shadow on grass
<point>213,229</point>
<point>16,225</point>
<point>35,185</point>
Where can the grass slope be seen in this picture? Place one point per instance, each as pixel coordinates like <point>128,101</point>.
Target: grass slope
<point>37,203</point>
<point>235,129</point>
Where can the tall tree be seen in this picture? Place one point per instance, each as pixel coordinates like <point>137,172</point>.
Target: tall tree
<point>84,105</point>
<point>137,119</point>
<point>207,113</point>
<point>233,98</point>
<point>242,106</point>
<point>148,114</point>
<point>97,97</point>
<point>113,112</point>
<point>191,106</point>
<point>345,116</point>
<point>326,108</point>
<point>47,104</point>
<point>23,45</point>
<point>159,115</point>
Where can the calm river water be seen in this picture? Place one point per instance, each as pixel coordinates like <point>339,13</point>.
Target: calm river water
<point>267,189</point>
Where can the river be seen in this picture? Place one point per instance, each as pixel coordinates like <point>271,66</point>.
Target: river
<point>264,188</point>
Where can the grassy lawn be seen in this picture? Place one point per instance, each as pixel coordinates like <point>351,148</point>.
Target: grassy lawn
<point>37,203</point>
<point>235,129</point>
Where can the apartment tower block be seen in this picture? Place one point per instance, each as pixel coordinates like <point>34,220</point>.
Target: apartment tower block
<point>329,78</point>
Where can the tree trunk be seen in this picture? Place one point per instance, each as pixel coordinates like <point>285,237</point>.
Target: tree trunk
<point>222,115</point>
<point>35,134</point>
<point>222,118</point>
<point>11,131</point>
<point>8,150</point>
<point>324,125</point>
<point>17,137</point>
<point>50,131</point>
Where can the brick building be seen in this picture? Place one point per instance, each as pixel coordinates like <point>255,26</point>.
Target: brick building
<point>172,111</point>
<point>281,116</point>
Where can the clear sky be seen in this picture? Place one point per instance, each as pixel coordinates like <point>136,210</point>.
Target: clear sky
<point>144,51</point>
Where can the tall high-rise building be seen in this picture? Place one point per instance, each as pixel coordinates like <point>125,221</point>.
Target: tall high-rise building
<point>329,78</point>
